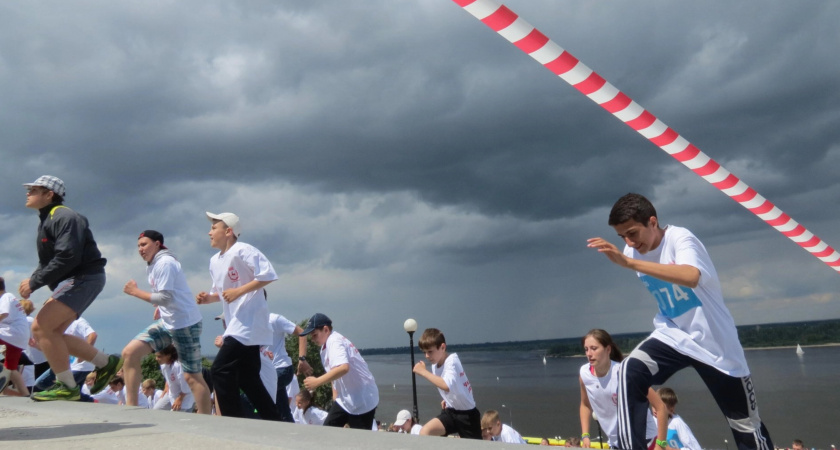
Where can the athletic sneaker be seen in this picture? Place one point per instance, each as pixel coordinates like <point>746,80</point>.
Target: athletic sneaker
<point>58,391</point>
<point>104,374</point>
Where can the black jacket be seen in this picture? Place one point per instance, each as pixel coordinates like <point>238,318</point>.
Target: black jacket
<point>65,248</point>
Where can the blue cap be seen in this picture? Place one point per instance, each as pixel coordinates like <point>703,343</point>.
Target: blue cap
<point>317,321</point>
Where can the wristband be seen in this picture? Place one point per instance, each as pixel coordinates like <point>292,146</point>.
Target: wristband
<point>661,443</point>
<point>302,358</point>
<point>584,435</point>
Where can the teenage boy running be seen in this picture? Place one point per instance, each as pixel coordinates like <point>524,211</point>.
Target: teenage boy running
<point>179,323</point>
<point>70,264</point>
<point>239,273</point>
<point>354,389</point>
<point>693,327</point>
<point>459,414</point>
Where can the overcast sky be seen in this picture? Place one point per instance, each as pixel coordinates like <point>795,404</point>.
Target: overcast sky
<point>399,159</point>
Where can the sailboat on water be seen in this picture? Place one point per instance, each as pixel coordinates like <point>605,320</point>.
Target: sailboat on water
<point>799,350</point>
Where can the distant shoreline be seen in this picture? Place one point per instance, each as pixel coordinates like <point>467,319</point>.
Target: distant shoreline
<point>831,344</point>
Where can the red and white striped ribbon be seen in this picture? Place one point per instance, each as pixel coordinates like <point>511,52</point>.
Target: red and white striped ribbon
<point>531,41</point>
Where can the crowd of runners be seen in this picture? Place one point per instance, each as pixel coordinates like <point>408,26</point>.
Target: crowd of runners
<point>253,375</point>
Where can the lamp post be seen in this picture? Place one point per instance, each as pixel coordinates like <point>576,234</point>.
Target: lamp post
<point>410,326</point>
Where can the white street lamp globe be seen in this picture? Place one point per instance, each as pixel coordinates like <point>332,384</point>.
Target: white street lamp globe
<point>410,326</point>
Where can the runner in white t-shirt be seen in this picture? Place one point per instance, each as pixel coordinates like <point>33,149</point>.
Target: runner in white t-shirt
<point>356,394</point>
<point>599,391</point>
<point>14,334</point>
<point>283,367</point>
<point>178,321</point>
<point>239,273</point>
<point>113,394</point>
<point>459,414</point>
<point>305,412</point>
<point>680,436</point>
<point>492,429</point>
<point>693,326</point>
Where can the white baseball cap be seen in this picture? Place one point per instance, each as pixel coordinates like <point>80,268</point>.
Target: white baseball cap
<point>230,219</point>
<point>402,417</point>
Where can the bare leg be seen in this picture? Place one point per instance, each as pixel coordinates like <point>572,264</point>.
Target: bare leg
<point>20,387</point>
<point>48,329</point>
<point>200,391</point>
<point>433,427</point>
<point>133,355</point>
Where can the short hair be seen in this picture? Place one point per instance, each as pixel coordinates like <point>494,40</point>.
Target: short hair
<point>490,417</point>
<point>798,442</point>
<point>431,338</point>
<point>149,383</point>
<point>27,306</point>
<point>606,340</point>
<point>2,284</point>
<point>116,380</point>
<point>632,207</point>
<point>170,351</point>
<point>668,396</point>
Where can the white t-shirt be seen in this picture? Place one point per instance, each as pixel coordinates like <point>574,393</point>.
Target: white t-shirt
<point>356,391</point>
<point>80,328</point>
<point>694,322</point>
<point>293,389</point>
<point>165,274</point>
<point>460,395</point>
<point>680,436</point>
<point>267,374</point>
<point>509,435</point>
<point>37,356</point>
<point>281,327</point>
<point>603,398</point>
<point>312,416</point>
<point>14,329</point>
<point>153,399</point>
<point>415,429</point>
<point>109,396</point>
<point>247,316</point>
<point>174,377</point>
<point>142,400</point>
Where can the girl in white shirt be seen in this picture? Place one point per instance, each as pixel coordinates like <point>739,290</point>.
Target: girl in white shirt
<point>305,413</point>
<point>180,396</point>
<point>599,391</point>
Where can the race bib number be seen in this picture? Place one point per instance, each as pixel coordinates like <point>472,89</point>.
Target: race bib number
<point>674,300</point>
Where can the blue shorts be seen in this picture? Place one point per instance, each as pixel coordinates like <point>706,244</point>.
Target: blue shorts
<point>78,292</point>
<point>186,340</point>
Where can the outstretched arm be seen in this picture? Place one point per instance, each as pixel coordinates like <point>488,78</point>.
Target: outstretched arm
<point>681,274</point>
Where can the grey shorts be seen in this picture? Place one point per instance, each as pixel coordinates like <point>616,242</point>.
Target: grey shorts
<point>80,291</point>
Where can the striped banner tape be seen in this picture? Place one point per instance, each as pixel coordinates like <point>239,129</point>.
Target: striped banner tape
<point>560,62</point>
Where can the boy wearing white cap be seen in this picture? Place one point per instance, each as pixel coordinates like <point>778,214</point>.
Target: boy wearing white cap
<point>70,264</point>
<point>355,392</point>
<point>239,273</point>
<point>406,424</point>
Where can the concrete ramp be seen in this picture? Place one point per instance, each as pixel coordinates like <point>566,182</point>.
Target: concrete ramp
<point>76,425</point>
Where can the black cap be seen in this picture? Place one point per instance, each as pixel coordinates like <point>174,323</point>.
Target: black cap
<point>153,235</point>
<point>317,321</point>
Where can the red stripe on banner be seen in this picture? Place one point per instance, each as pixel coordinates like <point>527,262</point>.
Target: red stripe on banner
<point>591,84</point>
<point>500,19</point>
<point>533,42</point>
<point>562,63</point>
<point>618,103</point>
<point>689,153</point>
<point>781,220</point>
<point>727,182</point>
<point>643,121</point>
<point>834,263</point>
<point>810,242</point>
<point>824,253</point>
<point>711,167</point>
<point>762,208</point>
<point>463,3</point>
<point>794,232</point>
<point>745,196</point>
<point>665,138</point>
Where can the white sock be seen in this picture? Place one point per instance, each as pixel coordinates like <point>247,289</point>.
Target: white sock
<point>100,360</point>
<point>66,377</point>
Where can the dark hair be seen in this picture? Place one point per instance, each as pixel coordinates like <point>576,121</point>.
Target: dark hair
<point>171,352</point>
<point>2,284</point>
<point>606,340</point>
<point>798,442</point>
<point>306,396</point>
<point>116,380</point>
<point>431,338</point>
<point>668,396</point>
<point>632,207</point>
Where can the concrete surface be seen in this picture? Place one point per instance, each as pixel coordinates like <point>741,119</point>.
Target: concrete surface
<point>76,425</point>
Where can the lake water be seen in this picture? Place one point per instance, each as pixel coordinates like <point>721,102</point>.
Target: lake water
<point>797,397</point>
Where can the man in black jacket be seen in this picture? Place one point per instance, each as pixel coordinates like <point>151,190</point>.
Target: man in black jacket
<point>70,264</point>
